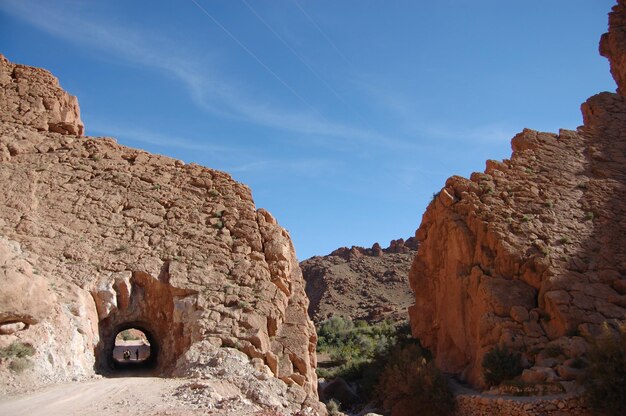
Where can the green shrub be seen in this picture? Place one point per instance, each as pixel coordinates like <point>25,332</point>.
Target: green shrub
<point>17,350</point>
<point>371,356</point>
<point>127,335</point>
<point>605,375</point>
<point>353,344</point>
<point>333,407</point>
<point>410,383</point>
<point>500,364</point>
<point>359,349</point>
<point>18,365</point>
<point>18,353</point>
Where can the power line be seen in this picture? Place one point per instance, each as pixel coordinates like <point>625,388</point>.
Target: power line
<point>319,29</point>
<point>297,55</point>
<point>305,63</point>
<point>256,58</point>
<point>293,51</point>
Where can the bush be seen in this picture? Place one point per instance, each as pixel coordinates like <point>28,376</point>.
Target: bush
<point>127,335</point>
<point>353,344</point>
<point>605,375</point>
<point>18,365</point>
<point>333,407</point>
<point>409,383</point>
<point>359,349</point>
<point>18,353</point>
<point>382,360</point>
<point>500,364</point>
<point>17,350</point>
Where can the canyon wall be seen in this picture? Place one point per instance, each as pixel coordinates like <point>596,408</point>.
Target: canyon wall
<point>96,237</point>
<point>531,253</point>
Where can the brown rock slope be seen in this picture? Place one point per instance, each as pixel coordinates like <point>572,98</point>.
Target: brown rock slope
<point>96,238</point>
<point>532,252</point>
<point>369,284</point>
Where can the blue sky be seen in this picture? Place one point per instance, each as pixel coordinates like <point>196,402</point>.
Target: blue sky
<point>344,117</point>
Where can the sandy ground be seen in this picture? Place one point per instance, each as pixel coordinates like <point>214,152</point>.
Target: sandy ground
<point>105,396</point>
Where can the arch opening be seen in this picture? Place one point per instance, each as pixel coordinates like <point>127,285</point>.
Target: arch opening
<point>141,305</point>
<point>131,347</point>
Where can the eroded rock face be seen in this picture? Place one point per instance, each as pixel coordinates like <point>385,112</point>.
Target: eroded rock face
<point>178,250</point>
<point>361,283</point>
<point>532,252</point>
<point>32,97</point>
<point>613,45</point>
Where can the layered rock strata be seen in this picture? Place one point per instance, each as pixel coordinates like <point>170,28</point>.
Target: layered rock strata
<point>361,283</point>
<point>531,253</point>
<point>97,237</point>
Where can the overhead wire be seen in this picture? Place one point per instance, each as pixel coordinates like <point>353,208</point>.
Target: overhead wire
<point>255,57</point>
<point>302,60</point>
<point>319,29</point>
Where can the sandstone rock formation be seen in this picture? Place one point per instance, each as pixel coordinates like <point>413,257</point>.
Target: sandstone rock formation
<point>532,252</point>
<point>369,284</point>
<point>97,238</point>
<point>32,97</point>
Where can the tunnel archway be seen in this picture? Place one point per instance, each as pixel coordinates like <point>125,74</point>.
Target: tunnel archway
<point>143,352</point>
<point>134,348</point>
<point>143,303</point>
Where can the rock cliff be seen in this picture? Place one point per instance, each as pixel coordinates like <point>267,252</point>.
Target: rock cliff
<point>361,283</point>
<point>32,97</point>
<point>96,238</point>
<point>532,252</point>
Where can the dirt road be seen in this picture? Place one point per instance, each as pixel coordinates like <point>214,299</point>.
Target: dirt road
<point>106,396</point>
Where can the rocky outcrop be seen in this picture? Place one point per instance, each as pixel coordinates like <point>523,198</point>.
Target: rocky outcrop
<point>532,252</point>
<point>32,97</point>
<point>398,246</point>
<point>613,45</point>
<point>361,283</point>
<point>118,238</point>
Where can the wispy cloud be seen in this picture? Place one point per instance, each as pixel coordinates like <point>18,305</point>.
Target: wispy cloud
<point>307,167</point>
<point>210,89</point>
<point>157,139</point>
<point>485,134</point>
<point>408,113</point>
<point>235,160</point>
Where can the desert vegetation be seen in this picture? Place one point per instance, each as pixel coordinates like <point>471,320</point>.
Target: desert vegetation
<point>501,364</point>
<point>382,360</point>
<point>605,374</point>
<point>17,355</point>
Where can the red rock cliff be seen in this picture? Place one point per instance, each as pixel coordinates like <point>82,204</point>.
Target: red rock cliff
<point>532,252</point>
<point>32,97</point>
<point>111,237</point>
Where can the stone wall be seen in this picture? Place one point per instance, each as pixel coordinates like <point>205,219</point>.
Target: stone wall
<point>481,405</point>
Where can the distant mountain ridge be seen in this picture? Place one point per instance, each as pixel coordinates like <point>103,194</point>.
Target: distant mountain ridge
<point>361,283</point>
